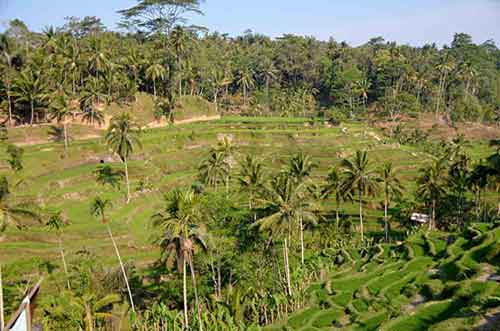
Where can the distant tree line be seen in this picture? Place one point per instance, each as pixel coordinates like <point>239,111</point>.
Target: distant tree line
<point>156,52</point>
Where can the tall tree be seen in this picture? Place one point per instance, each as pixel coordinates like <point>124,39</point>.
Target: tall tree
<point>29,87</point>
<point>158,16</point>
<point>56,223</point>
<point>180,226</point>
<point>392,187</point>
<point>333,186</point>
<point>214,170</point>
<point>155,72</point>
<point>122,138</point>
<point>286,203</point>
<point>251,178</point>
<point>98,209</point>
<point>431,187</point>
<point>360,179</point>
<point>60,109</point>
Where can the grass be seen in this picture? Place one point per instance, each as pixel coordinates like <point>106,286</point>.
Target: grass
<point>170,157</point>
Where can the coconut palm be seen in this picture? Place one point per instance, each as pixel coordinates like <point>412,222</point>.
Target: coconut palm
<point>6,55</point>
<point>228,149</point>
<point>90,99</point>
<point>246,80</point>
<point>29,87</point>
<point>105,175</point>
<point>251,178</point>
<point>60,109</point>
<point>98,210</point>
<point>56,223</point>
<point>360,179</point>
<point>392,187</point>
<point>180,227</point>
<point>155,72</point>
<point>445,66</point>
<point>334,187</point>
<point>286,201</point>
<point>13,213</point>
<point>301,167</point>
<point>214,169</point>
<point>431,186</point>
<point>122,138</point>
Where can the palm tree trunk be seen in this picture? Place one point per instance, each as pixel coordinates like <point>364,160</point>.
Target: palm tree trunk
<point>361,215</point>
<point>2,320</point>
<point>9,102</point>
<point>32,106</point>
<point>287,267</point>
<point>337,216</point>
<point>301,240</point>
<point>122,267</point>
<point>65,266</point>
<point>65,127</point>
<point>433,219</point>
<point>184,294</point>
<point>127,180</point>
<point>193,278</point>
<point>90,320</point>
<point>386,220</point>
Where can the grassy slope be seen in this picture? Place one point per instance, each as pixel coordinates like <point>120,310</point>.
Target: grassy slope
<point>451,303</point>
<point>169,158</point>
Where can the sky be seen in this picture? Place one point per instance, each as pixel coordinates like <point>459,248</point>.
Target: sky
<point>414,22</point>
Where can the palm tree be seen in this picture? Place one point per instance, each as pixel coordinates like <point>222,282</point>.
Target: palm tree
<point>431,186</point>
<point>30,88</point>
<point>334,187</point>
<point>60,108</point>
<point>179,223</point>
<point>301,167</point>
<point>90,97</point>
<point>98,210</point>
<point>251,178</point>
<point>93,307</point>
<point>13,213</point>
<point>246,80</point>
<point>179,40</point>
<point>363,87</point>
<point>227,148</point>
<point>287,204</point>
<point>105,175</point>
<point>6,52</point>
<point>214,169</point>
<point>392,187</point>
<point>444,68</point>
<point>360,178</point>
<point>122,137</point>
<point>154,72</point>
<point>56,223</point>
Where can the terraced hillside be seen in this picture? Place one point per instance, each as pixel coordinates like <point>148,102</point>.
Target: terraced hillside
<point>169,158</point>
<point>432,282</point>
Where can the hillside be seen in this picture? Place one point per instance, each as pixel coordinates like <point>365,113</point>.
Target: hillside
<point>431,282</point>
<point>187,109</point>
<point>357,292</point>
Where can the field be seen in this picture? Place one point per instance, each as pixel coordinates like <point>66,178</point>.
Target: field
<point>169,158</point>
<point>424,284</point>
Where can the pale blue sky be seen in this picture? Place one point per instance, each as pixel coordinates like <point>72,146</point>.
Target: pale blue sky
<point>406,21</point>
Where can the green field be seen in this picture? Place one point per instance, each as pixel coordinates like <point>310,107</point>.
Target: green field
<point>363,296</point>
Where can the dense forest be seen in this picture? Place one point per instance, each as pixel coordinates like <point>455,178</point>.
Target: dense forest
<point>88,64</point>
<point>250,238</point>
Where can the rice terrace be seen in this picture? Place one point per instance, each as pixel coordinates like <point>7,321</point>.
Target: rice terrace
<point>159,175</point>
